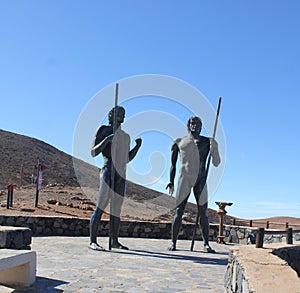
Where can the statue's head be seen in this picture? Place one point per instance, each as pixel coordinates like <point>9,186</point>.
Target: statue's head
<point>194,124</point>
<point>120,112</point>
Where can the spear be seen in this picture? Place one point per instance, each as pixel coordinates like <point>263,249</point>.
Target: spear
<point>113,171</point>
<point>206,174</point>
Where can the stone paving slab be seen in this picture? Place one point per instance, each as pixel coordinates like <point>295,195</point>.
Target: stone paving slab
<point>65,264</point>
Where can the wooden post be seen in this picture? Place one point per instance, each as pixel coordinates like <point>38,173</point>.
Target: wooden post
<point>260,238</point>
<point>289,236</point>
<point>250,224</point>
<point>10,192</point>
<point>11,195</point>
<point>8,198</point>
<point>267,225</point>
<point>37,184</point>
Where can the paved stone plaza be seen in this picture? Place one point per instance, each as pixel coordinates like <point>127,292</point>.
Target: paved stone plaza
<point>65,264</point>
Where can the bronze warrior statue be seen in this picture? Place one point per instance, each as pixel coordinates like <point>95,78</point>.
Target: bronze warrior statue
<point>194,150</point>
<point>107,142</point>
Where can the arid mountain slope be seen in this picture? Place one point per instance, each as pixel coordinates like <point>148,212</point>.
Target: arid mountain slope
<point>60,185</point>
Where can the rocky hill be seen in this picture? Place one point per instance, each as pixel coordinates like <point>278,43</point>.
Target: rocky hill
<point>62,195</point>
<point>18,150</point>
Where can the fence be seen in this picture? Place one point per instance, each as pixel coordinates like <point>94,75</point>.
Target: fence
<point>266,224</point>
<point>261,232</point>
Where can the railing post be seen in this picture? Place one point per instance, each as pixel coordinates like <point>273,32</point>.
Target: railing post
<point>260,238</point>
<point>250,224</point>
<point>289,236</point>
<point>268,225</point>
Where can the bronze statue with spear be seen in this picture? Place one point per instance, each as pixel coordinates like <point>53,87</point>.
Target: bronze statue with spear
<point>114,144</point>
<point>195,153</point>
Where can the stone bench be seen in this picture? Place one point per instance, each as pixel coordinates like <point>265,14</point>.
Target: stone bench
<point>17,267</point>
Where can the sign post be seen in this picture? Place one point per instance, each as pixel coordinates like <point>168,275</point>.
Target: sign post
<point>21,174</point>
<point>40,167</point>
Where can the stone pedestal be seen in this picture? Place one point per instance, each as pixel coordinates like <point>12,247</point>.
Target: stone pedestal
<point>221,212</point>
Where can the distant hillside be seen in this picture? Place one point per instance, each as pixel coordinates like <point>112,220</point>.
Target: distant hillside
<point>16,149</point>
<point>143,202</point>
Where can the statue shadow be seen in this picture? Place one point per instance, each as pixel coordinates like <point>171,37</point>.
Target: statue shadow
<point>177,256</point>
<point>204,253</point>
<point>43,284</point>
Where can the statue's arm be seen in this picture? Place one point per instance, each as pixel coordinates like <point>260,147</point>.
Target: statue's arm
<point>102,138</point>
<point>174,157</point>
<point>214,149</point>
<point>133,152</point>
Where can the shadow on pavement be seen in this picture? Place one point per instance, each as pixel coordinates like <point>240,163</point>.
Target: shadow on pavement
<point>43,285</point>
<point>175,256</point>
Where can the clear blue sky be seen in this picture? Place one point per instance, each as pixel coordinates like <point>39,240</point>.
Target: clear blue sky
<point>56,55</point>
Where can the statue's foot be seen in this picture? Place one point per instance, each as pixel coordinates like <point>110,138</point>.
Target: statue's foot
<point>96,246</point>
<point>172,247</point>
<point>208,249</point>
<point>118,245</point>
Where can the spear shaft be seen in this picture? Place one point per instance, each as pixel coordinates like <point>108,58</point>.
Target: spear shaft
<point>113,171</point>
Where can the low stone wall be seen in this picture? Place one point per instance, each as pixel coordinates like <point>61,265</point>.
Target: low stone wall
<point>258,270</point>
<point>235,280</point>
<point>15,237</point>
<point>239,234</point>
<point>57,226</point>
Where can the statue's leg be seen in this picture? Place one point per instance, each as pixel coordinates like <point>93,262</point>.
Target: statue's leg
<point>203,221</point>
<point>102,202</point>
<point>176,224</point>
<point>201,197</point>
<point>118,201</point>
<point>182,195</point>
<point>94,224</point>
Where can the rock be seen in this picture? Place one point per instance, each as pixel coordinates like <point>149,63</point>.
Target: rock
<point>51,201</point>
